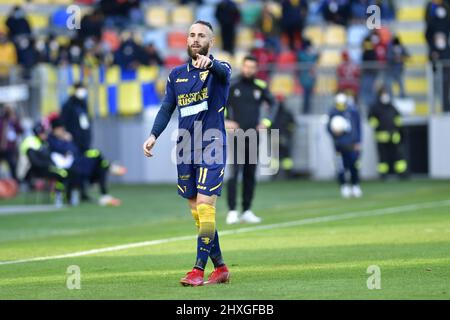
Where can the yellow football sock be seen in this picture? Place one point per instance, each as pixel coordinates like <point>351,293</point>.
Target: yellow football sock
<point>195,216</point>
<point>207,219</point>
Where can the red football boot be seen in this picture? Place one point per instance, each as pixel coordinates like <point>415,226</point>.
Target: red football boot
<point>219,275</point>
<point>193,278</point>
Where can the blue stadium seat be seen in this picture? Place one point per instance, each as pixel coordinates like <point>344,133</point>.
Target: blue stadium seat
<point>60,17</point>
<point>356,34</point>
<point>157,37</point>
<point>206,12</point>
<point>213,2</point>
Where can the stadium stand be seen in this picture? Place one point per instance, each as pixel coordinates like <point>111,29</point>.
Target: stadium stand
<point>165,23</point>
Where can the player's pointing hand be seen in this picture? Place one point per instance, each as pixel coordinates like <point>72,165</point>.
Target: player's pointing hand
<point>202,62</point>
<point>148,146</point>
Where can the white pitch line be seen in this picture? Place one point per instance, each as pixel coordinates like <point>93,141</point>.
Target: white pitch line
<point>337,217</point>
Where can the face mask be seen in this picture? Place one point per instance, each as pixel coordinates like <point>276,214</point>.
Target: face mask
<point>24,43</point>
<point>375,40</point>
<point>385,98</point>
<point>54,45</point>
<point>75,51</point>
<point>19,14</point>
<point>81,93</point>
<point>441,13</point>
<point>341,100</point>
<point>40,45</point>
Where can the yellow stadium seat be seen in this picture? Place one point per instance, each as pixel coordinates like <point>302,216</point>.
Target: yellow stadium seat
<point>42,1</point>
<point>38,21</point>
<point>224,56</point>
<point>411,37</point>
<point>282,84</point>
<point>335,36</point>
<point>3,27</point>
<point>12,1</point>
<point>417,60</point>
<point>315,34</point>
<point>410,14</point>
<point>326,84</point>
<point>330,58</point>
<point>245,38</point>
<point>161,86</point>
<point>238,58</point>
<point>416,86</point>
<point>156,17</point>
<point>275,8</point>
<point>65,2</point>
<point>182,16</point>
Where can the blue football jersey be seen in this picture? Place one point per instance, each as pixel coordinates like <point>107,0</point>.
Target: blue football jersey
<point>200,97</point>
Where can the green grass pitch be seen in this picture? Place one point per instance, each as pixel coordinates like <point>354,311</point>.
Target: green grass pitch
<point>401,227</point>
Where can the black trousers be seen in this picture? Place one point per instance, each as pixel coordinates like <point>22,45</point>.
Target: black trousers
<point>248,170</point>
<point>446,89</point>
<point>10,156</point>
<point>391,159</point>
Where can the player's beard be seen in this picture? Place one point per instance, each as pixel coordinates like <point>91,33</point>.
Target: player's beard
<point>202,51</point>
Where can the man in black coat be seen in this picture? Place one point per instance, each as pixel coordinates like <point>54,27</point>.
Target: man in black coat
<point>75,118</point>
<point>244,105</point>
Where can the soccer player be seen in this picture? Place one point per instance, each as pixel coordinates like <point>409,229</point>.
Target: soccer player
<point>199,89</point>
<point>347,144</point>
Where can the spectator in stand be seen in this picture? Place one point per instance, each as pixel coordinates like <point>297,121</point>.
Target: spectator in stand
<point>119,13</point>
<point>269,25</point>
<point>308,57</point>
<point>359,9</point>
<point>27,54</point>
<point>93,53</point>
<point>151,56</point>
<point>91,26</point>
<point>8,55</point>
<point>265,58</point>
<point>17,23</point>
<point>10,130</point>
<point>293,20</point>
<point>197,2</point>
<point>437,19</point>
<point>228,16</point>
<point>440,57</point>
<point>387,9</point>
<point>336,11</point>
<point>397,54</point>
<point>129,52</point>
<point>348,75</point>
<point>49,50</point>
<point>369,73</point>
<point>71,53</point>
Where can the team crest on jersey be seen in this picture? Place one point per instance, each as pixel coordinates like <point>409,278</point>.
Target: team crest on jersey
<point>203,75</point>
<point>257,94</point>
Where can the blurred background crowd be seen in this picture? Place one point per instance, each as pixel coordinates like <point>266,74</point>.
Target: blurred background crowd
<point>306,50</point>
